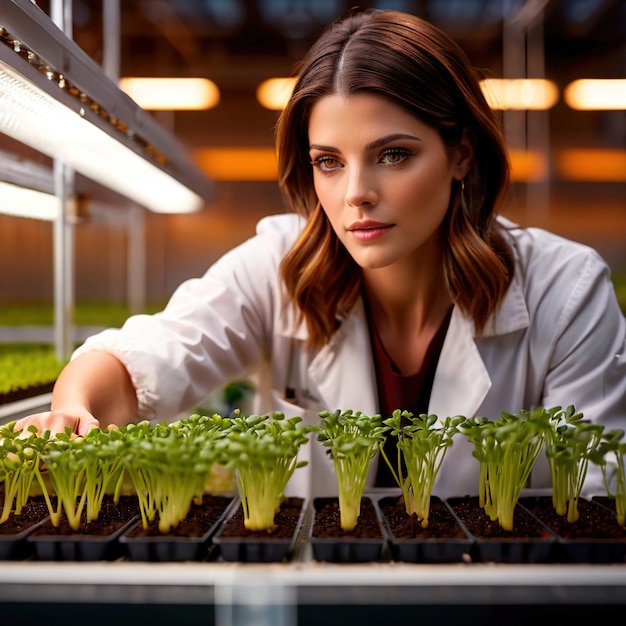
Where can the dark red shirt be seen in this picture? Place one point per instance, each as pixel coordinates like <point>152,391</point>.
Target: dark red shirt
<point>395,391</point>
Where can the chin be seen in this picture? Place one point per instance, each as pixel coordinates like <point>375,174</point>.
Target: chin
<point>373,264</point>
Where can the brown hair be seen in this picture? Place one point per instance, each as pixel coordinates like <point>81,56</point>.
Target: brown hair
<point>418,67</point>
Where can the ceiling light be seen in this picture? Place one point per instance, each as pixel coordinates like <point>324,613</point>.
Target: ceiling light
<point>274,93</point>
<point>528,94</point>
<point>522,94</point>
<point>24,202</point>
<point>607,165</point>
<point>172,94</point>
<point>56,99</point>
<point>596,94</point>
<point>527,166</point>
<point>238,163</point>
<point>27,189</point>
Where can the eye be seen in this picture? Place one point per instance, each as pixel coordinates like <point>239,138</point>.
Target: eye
<point>326,164</point>
<point>394,156</point>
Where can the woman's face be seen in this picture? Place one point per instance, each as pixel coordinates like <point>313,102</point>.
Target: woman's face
<point>382,176</point>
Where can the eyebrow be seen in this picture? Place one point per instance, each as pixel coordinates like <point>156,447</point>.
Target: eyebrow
<point>377,143</point>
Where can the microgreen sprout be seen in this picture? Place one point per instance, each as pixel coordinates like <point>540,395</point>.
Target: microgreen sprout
<point>168,465</point>
<point>570,442</point>
<point>423,441</point>
<point>506,450</point>
<point>353,440</point>
<point>263,452</point>
<point>81,471</point>
<point>19,464</point>
<point>611,455</point>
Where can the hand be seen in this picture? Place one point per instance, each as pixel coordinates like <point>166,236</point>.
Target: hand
<point>56,422</point>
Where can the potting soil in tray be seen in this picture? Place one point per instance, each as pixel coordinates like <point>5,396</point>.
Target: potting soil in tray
<point>595,537</point>
<point>190,540</point>
<point>329,542</point>
<point>529,541</point>
<point>92,541</point>
<point>15,530</point>
<point>442,540</point>
<point>237,543</point>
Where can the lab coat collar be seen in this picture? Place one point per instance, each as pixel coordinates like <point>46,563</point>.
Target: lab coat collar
<point>462,380</point>
<point>344,373</point>
<point>512,314</point>
<point>343,369</point>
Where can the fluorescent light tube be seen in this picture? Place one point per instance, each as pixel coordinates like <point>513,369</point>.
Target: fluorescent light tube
<point>41,122</point>
<point>56,99</point>
<point>24,202</point>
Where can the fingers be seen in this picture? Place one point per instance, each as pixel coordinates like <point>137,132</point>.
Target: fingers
<point>42,421</point>
<point>57,421</point>
<point>85,424</point>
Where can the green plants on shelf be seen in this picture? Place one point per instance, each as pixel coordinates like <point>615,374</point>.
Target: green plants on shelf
<point>352,440</point>
<point>423,441</point>
<point>27,365</point>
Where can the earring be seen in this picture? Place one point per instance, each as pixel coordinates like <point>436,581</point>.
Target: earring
<point>464,204</point>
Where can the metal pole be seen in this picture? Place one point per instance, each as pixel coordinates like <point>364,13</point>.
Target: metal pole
<point>514,66</point>
<point>111,36</point>
<point>63,245</point>
<point>136,241</point>
<point>523,56</point>
<point>538,125</point>
<point>136,259</point>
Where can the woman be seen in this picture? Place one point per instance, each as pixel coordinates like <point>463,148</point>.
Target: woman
<point>393,285</point>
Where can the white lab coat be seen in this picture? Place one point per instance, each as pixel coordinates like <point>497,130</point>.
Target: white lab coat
<point>557,339</point>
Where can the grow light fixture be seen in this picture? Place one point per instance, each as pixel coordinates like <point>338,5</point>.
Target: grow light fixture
<point>27,189</point>
<point>57,100</point>
<point>25,202</point>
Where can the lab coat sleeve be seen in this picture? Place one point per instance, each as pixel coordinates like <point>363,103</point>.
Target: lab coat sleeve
<point>588,360</point>
<point>214,329</point>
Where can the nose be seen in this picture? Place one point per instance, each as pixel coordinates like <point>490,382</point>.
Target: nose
<point>360,189</point>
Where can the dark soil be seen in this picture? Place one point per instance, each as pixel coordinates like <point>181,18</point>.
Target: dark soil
<point>32,513</point>
<point>327,521</point>
<point>594,521</point>
<point>441,522</point>
<point>112,517</point>
<point>478,523</point>
<point>198,521</point>
<point>285,520</point>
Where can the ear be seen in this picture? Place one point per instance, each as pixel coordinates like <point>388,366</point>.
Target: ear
<point>462,156</point>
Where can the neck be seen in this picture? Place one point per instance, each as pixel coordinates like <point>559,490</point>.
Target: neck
<point>397,297</point>
<point>407,312</point>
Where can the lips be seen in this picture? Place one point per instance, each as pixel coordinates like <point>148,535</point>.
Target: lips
<point>369,230</point>
<point>367,225</point>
